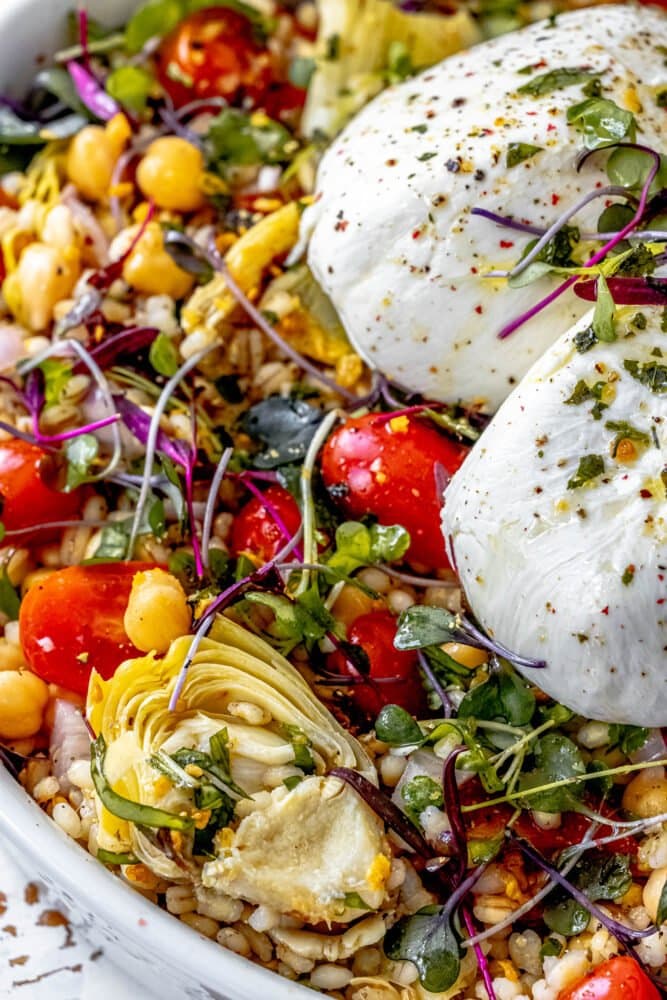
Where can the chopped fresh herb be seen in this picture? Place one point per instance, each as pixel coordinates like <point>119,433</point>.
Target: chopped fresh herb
<point>332,47</point>
<point>639,321</point>
<point>628,575</point>
<point>585,340</point>
<point>637,263</point>
<point>556,758</point>
<point>661,914</point>
<point>301,745</point>
<point>423,127</point>
<point>625,431</point>
<point>112,858</point>
<point>396,727</point>
<point>589,468</point>
<point>81,452</point>
<point>603,316</point>
<point>602,122</point>
<point>293,780</point>
<point>426,156</point>
<point>420,793</point>
<point>163,355</point>
<point>650,374</point>
<point>10,601</point>
<point>399,62</point>
<point>517,152</point>
<point>555,79</point>
<point>583,391</point>
<point>354,901</point>
<point>240,139</point>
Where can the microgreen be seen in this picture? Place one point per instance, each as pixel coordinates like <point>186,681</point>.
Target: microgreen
<point>556,758</point>
<point>358,545</point>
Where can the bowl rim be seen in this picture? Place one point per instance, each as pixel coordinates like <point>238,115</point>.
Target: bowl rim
<point>101,892</point>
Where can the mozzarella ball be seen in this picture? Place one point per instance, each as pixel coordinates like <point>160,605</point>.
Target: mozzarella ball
<point>391,236</point>
<point>556,522</point>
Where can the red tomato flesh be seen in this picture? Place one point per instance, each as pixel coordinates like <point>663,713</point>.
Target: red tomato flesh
<point>617,979</point>
<point>384,467</point>
<point>72,621</point>
<point>255,530</point>
<point>214,53</point>
<point>374,633</point>
<point>27,499</point>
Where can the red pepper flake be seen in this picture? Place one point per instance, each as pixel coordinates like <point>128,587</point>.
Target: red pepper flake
<point>341,225</point>
<point>551,127</point>
<point>473,270</point>
<point>555,198</point>
<point>605,611</point>
<point>645,494</point>
<point>661,600</point>
<point>416,233</point>
<point>506,244</point>
<point>479,310</point>
<point>142,922</point>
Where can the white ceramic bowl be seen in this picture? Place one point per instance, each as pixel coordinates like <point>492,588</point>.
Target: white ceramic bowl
<point>157,949</point>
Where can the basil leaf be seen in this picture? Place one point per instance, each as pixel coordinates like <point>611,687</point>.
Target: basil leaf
<point>589,468</point>
<point>396,727</point>
<point>602,122</point>
<point>118,805</point>
<point>603,316</point>
<point>419,794</point>
<point>10,602</point>
<point>555,79</point>
<point>517,152</point>
<point>163,355</point>
<point>557,758</point>
<point>427,939</point>
<point>649,373</point>
<point>81,452</point>
<point>131,86</point>
<point>284,426</point>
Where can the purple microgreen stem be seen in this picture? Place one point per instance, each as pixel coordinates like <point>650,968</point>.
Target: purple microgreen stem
<point>508,223</point>
<point>271,509</point>
<point>383,807</point>
<point>452,802</point>
<point>482,963</point>
<point>82,19</point>
<point>430,675</point>
<point>211,500</point>
<point>493,646</point>
<point>132,340</point>
<point>627,291</point>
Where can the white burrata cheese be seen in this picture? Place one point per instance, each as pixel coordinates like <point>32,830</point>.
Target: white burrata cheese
<point>561,559</point>
<point>392,240</point>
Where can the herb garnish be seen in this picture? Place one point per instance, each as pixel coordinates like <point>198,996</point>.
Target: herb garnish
<point>589,468</point>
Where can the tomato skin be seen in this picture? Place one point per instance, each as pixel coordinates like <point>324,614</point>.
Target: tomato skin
<point>27,500</point>
<point>384,467</point>
<point>254,529</point>
<point>618,978</point>
<point>375,632</point>
<point>216,49</point>
<point>77,611</point>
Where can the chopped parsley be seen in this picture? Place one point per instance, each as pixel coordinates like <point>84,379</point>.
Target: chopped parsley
<point>555,79</point>
<point>650,374</point>
<point>589,468</point>
<point>626,432</point>
<point>585,340</point>
<point>517,152</point>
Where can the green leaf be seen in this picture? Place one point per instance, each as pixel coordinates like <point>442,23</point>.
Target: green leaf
<point>419,794</point>
<point>516,698</point>
<point>57,374</point>
<point>163,355</point>
<point>131,86</point>
<point>589,468</point>
<point>112,858</point>
<point>357,545</point>
<point>399,62</point>
<point>81,452</point>
<point>603,316</point>
<point>627,738</point>
<point>583,392</point>
<point>603,876</point>
<point>239,139</point>
<point>113,542</point>
<point>555,79</point>
<point>156,518</point>
<point>630,168</point>
<point>551,947</point>
<point>649,373</point>
<point>301,745</point>
<point>396,727</point>
<point>305,619</point>
<point>292,781</point>
<point>10,602</point>
<point>557,758</point>
<point>480,850</point>
<point>614,218</point>
<point>517,152</point>
<point>567,917</point>
<point>354,901</point>
<point>425,625</point>
<point>125,808</point>
<point>661,915</point>
<point>427,939</point>
<point>152,20</point>
<point>602,122</point>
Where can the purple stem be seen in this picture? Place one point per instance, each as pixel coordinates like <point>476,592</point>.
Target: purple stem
<point>453,810</point>
<point>501,220</point>
<point>482,963</point>
<point>82,15</point>
<point>77,432</point>
<point>426,668</point>
<point>272,511</point>
<point>196,549</point>
<point>383,807</point>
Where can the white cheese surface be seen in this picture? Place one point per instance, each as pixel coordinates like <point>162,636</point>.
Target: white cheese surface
<point>392,240</point>
<point>576,576</point>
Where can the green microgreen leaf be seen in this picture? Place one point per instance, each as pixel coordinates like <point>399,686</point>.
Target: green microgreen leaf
<point>396,727</point>
<point>163,355</point>
<point>420,793</point>
<point>602,122</point>
<point>131,86</point>
<point>556,758</point>
<point>81,453</point>
<point>235,138</point>
<point>428,940</point>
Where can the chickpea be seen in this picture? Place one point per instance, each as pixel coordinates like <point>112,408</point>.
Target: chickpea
<point>23,698</point>
<point>150,269</point>
<point>45,275</point>
<point>653,890</point>
<point>157,611</point>
<point>58,229</point>
<point>91,159</point>
<point>171,174</point>
<point>646,795</point>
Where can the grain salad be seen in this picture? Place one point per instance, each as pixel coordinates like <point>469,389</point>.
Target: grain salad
<point>332,466</point>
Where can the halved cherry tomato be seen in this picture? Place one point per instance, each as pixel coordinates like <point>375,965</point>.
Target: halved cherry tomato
<point>619,978</point>
<point>27,498</point>
<point>214,53</point>
<point>374,633</point>
<point>374,465</point>
<point>72,621</point>
<point>255,531</point>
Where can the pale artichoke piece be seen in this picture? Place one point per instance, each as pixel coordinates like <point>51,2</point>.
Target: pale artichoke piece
<point>131,712</point>
<point>304,853</point>
<point>211,305</point>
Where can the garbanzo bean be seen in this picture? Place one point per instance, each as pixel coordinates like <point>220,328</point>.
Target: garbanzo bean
<point>171,174</point>
<point>44,276</point>
<point>646,795</point>
<point>157,611</point>
<point>150,269</point>
<point>23,698</point>
<point>92,156</point>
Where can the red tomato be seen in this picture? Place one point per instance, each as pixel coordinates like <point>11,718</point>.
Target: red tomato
<point>214,53</point>
<point>255,530</point>
<point>372,465</point>
<point>617,979</point>
<point>27,499</point>
<point>374,633</point>
<point>73,621</point>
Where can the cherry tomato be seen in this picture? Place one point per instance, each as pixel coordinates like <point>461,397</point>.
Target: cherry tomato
<point>619,978</point>
<point>27,499</point>
<point>214,53</point>
<point>374,465</point>
<point>374,633</point>
<point>73,621</point>
<point>255,530</point>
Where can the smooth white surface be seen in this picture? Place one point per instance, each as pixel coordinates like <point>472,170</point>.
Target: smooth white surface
<point>542,565</point>
<point>393,242</point>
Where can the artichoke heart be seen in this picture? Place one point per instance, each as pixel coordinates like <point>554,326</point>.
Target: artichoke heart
<point>236,777</point>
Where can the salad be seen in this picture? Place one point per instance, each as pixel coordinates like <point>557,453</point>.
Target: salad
<point>333,472</point>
